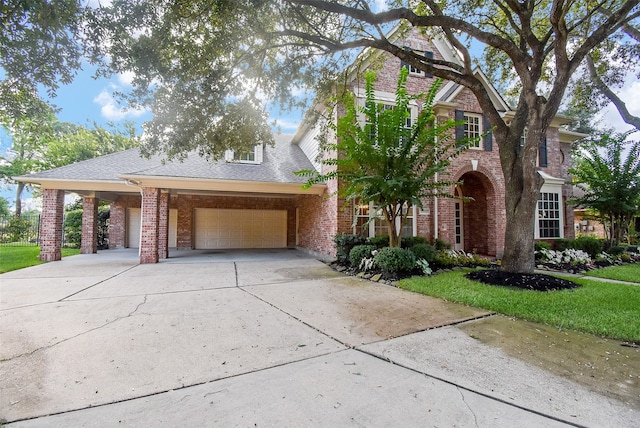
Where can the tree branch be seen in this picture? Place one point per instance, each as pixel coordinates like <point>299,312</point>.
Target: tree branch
<point>607,92</point>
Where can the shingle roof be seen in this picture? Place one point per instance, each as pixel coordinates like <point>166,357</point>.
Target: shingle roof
<point>279,163</point>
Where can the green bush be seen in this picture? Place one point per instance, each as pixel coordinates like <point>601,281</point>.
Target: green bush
<point>410,241</point>
<point>103,227</point>
<point>73,228</point>
<point>441,245</point>
<point>344,242</point>
<point>423,251</point>
<point>379,241</point>
<point>19,229</point>
<point>394,260</point>
<point>589,244</point>
<point>616,250</point>
<point>562,244</point>
<point>542,245</point>
<point>632,248</point>
<point>360,252</point>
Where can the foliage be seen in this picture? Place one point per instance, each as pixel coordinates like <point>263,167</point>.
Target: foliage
<point>424,251</point>
<point>19,229</point>
<point>569,256</point>
<point>410,241</point>
<point>73,228</point>
<point>540,245</point>
<point>104,214</point>
<point>441,245</point>
<point>379,241</point>
<point>386,162</point>
<point>611,183</point>
<point>367,263</point>
<point>605,309</point>
<point>343,243</point>
<point>360,252</point>
<point>4,207</point>
<point>616,250</point>
<point>452,258</point>
<point>395,260</point>
<point>589,244</point>
<point>424,266</point>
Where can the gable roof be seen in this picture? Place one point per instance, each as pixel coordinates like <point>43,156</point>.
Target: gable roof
<point>116,171</point>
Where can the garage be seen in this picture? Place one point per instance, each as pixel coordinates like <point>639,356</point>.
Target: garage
<point>133,228</point>
<point>235,228</point>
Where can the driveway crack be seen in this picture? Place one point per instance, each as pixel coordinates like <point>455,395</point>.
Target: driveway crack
<point>475,417</point>
<point>43,348</point>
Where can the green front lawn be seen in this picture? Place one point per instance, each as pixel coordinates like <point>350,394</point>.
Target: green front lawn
<point>18,257</point>
<point>604,309</point>
<point>629,272</point>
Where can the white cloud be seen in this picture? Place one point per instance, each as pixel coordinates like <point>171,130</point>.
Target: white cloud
<point>380,5</point>
<point>287,125</point>
<point>126,78</point>
<point>112,111</point>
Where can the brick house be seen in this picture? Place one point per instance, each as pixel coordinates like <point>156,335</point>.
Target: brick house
<point>253,200</point>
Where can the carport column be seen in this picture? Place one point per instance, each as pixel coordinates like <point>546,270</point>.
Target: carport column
<point>89,241</point>
<point>163,226</point>
<point>51,225</point>
<point>149,226</point>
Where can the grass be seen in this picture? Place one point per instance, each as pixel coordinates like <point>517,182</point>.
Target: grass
<point>605,309</point>
<point>629,272</point>
<point>19,257</point>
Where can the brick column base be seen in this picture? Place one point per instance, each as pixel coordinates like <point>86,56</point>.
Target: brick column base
<point>89,242</point>
<point>51,225</point>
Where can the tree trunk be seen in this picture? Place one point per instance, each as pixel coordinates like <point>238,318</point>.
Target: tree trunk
<point>522,189</point>
<point>19,189</point>
<point>390,218</point>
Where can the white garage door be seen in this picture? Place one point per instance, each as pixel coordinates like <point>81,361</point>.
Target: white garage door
<point>220,228</point>
<point>133,228</point>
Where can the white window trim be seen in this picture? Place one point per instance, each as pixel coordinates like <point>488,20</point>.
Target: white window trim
<point>478,116</point>
<point>385,98</point>
<point>556,188</point>
<point>258,155</point>
<point>372,224</point>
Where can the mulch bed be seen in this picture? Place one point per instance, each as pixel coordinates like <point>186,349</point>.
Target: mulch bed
<point>526,281</point>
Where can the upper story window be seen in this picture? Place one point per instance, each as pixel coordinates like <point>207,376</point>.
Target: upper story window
<point>542,160</point>
<point>473,128</point>
<point>413,70</point>
<point>251,156</point>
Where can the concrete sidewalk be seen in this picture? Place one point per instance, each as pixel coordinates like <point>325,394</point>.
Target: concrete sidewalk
<point>276,338</point>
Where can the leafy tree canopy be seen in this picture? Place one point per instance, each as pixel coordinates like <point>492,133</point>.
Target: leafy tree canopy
<point>609,174</point>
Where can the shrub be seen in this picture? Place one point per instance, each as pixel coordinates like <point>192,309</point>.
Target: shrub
<point>424,266</point>
<point>73,228</point>
<point>18,229</point>
<point>424,251</point>
<point>562,244</point>
<point>441,245</point>
<point>450,258</point>
<point>632,248</point>
<point>379,241</point>
<point>344,242</point>
<point>395,260</point>
<point>541,245</point>
<point>616,250</point>
<point>589,244</point>
<point>410,241</point>
<point>360,252</point>
<point>103,228</point>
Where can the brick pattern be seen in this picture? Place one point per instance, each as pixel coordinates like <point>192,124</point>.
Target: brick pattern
<point>118,219</point>
<point>149,225</point>
<point>89,240</point>
<point>163,226</point>
<point>51,225</point>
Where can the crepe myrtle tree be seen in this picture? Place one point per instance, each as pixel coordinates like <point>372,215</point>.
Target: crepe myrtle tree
<point>380,156</point>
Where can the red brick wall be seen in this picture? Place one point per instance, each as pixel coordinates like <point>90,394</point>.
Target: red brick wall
<point>118,219</point>
<point>163,226</point>
<point>51,225</point>
<point>149,225</point>
<point>89,240</point>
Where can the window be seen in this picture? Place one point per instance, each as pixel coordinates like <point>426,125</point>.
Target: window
<point>473,128</point>
<point>386,107</point>
<point>413,71</point>
<point>251,156</point>
<point>370,221</point>
<point>549,215</point>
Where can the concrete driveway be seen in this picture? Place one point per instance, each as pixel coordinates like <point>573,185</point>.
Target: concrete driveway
<point>277,338</point>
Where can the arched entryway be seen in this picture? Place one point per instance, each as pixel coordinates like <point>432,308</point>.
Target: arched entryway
<point>477,214</point>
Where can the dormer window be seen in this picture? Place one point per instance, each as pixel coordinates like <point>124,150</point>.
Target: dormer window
<point>413,71</point>
<point>252,156</point>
